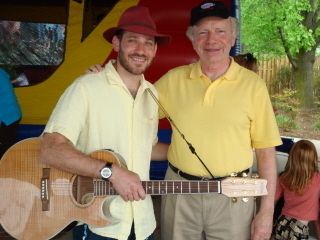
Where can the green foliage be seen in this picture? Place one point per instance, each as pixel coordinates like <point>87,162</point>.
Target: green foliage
<point>285,122</point>
<point>286,108</point>
<point>270,27</point>
<point>316,125</point>
<point>286,102</point>
<point>283,80</point>
<point>291,21</point>
<point>258,34</point>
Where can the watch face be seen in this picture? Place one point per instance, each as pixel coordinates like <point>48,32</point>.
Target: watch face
<point>106,172</point>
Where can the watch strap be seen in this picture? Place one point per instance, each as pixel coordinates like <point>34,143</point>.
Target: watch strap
<point>107,165</point>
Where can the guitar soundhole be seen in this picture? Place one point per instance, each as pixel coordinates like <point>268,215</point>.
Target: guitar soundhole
<point>82,190</point>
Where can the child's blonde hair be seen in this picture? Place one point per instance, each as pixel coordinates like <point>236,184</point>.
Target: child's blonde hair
<point>301,165</point>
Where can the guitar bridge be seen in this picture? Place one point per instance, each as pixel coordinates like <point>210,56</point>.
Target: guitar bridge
<point>44,189</point>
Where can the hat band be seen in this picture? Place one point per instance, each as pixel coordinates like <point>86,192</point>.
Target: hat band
<point>137,24</point>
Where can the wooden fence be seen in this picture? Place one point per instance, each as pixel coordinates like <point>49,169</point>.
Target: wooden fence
<point>271,70</point>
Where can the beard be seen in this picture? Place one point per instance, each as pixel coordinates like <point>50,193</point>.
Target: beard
<point>132,67</point>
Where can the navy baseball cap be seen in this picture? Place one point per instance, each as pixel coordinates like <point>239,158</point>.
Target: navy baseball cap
<point>208,9</point>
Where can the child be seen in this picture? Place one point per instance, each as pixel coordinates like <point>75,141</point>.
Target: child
<point>299,185</point>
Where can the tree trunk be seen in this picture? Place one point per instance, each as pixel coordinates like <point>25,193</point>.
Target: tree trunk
<point>303,78</point>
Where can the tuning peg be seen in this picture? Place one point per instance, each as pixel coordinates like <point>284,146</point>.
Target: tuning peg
<point>245,199</point>
<point>233,174</point>
<point>244,174</point>
<point>255,175</point>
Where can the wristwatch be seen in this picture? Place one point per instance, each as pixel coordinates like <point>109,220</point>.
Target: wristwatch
<point>106,171</point>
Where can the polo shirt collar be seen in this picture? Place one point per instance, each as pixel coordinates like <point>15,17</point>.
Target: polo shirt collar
<point>230,75</point>
<point>195,71</point>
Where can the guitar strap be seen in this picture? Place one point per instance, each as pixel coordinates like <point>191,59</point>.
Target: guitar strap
<point>192,149</point>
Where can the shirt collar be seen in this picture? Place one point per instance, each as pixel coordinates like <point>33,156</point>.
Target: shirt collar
<point>196,71</point>
<point>230,75</point>
<point>116,79</point>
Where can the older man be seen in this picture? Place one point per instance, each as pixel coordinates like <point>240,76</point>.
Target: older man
<point>224,110</point>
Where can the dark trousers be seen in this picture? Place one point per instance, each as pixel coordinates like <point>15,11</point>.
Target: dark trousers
<point>8,136</point>
<point>83,232</point>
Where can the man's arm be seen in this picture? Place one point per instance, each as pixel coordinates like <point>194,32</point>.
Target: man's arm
<point>159,151</point>
<point>261,227</point>
<point>57,151</point>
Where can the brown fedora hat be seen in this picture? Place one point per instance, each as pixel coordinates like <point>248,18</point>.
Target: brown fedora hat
<point>137,19</point>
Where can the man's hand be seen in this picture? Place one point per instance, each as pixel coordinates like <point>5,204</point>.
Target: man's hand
<point>127,184</point>
<point>94,69</point>
<point>261,227</point>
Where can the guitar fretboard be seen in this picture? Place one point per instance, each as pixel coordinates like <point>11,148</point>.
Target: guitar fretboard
<point>103,188</point>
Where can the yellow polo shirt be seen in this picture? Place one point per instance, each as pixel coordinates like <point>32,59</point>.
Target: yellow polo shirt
<point>98,112</point>
<point>223,119</point>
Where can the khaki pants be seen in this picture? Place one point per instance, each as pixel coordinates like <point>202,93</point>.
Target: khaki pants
<point>204,216</point>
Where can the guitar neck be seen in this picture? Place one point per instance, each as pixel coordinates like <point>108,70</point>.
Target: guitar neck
<point>180,187</point>
<point>155,187</point>
<point>231,187</point>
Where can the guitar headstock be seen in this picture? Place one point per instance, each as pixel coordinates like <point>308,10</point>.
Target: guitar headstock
<point>243,187</point>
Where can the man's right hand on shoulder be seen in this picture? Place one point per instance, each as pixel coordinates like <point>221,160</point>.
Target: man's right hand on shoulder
<point>127,184</point>
<point>94,69</point>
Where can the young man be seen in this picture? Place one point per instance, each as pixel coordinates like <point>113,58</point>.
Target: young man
<point>112,110</point>
<point>224,110</point>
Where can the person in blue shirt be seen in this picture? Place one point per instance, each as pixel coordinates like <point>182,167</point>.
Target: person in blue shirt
<point>10,112</point>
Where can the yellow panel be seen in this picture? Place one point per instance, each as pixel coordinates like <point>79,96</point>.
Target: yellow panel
<point>37,102</point>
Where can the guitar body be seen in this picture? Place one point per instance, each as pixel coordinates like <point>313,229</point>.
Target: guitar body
<point>21,205</point>
<point>37,201</point>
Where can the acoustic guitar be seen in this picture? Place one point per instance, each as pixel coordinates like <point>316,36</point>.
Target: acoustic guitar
<point>37,201</point>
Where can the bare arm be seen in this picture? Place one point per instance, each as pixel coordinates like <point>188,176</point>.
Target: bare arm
<point>160,151</point>
<point>262,224</point>
<point>57,151</point>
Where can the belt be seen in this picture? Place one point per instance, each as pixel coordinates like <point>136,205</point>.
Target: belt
<point>197,178</point>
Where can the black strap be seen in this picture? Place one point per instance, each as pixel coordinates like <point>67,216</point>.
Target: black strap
<point>197,178</point>
<point>191,148</point>
<point>192,177</point>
